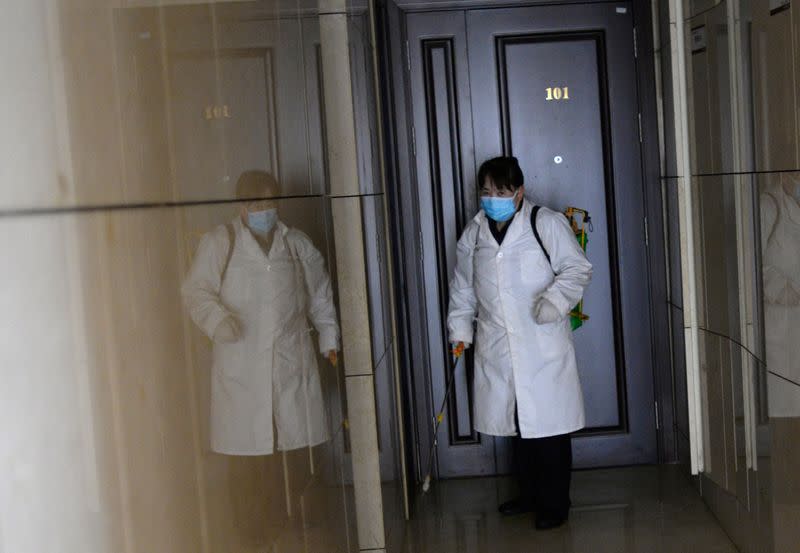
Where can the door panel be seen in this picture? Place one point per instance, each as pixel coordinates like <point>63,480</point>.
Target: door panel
<point>560,145</point>
<point>555,86</point>
<point>597,128</point>
<point>445,176</point>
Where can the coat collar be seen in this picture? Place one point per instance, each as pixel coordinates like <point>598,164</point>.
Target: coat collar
<point>251,245</point>
<point>516,227</point>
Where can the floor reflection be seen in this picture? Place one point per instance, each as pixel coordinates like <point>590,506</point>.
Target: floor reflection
<point>628,510</point>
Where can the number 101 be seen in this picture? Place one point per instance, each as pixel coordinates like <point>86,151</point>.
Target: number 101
<point>558,93</point>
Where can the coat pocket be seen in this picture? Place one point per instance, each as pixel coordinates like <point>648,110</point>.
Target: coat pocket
<point>554,339</point>
<point>230,359</point>
<point>295,358</point>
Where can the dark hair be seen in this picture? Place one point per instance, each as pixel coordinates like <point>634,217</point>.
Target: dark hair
<point>257,184</point>
<point>503,171</point>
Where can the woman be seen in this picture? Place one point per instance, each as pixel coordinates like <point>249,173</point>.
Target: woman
<point>520,288</point>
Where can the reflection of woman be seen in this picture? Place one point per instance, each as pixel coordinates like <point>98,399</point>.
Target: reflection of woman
<point>780,221</point>
<point>252,288</point>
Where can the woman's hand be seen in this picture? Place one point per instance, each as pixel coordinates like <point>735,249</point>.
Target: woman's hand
<point>458,349</point>
<point>545,312</point>
<point>228,331</point>
<point>333,357</point>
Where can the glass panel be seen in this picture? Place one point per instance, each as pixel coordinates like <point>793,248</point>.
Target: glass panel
<point>709,94</point>
<point>718,263</point>
<point>780,257</point>
<point>773,88</point>
<point>172,300</point>
<point>713,414</point>
<point>739,371</point>
<point>780,227</point>
<point>172,103</point>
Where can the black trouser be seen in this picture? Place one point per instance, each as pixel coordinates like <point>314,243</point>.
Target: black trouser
<point>544,469</point>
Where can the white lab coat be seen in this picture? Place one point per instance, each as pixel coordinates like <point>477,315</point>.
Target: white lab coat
<point>518,361</point>
<point>271,373</point>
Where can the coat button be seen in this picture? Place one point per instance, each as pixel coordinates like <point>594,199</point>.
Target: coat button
<point>511,329</point>
<point>500,255</point>
<point>269,267</point>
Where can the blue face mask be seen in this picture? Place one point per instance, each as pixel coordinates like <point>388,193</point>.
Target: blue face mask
<point>261,222</point>
<point>499,209</point>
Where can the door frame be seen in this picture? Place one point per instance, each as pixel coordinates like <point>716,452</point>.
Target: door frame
<point>406,226</point>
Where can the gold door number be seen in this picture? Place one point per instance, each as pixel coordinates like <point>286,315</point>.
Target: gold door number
<point>216,112</point>
<point>557,93</point>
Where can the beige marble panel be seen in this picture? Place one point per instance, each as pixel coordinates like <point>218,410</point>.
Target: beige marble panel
<point>786,483</point>
<point>134,406</point>
<point>36,169</point>
<point>796,53</point>
<point>366,469</point>
<point>121,101</point>
<point>780,223</point>
<point>105,404</point>
<point>743,526</point>
<point>339,109</point>
<point>115,107</point>
<point>699,76</point>
<point>740,361</point>
<point>719,254</point>
<point>774,89</point>
<point>714,413</point>
<point>326,516</point>
<point>727,415</point>
<point>351,277</point>
<point>60,488</point>
<point>694,7</point>
<point>720,108</point>
<point>134,272</point>
<point>138,401</point>
<point>327,7</point>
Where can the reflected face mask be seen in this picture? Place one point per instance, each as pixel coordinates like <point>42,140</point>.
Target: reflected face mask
<point>261,222</point>
<point>499,209</point>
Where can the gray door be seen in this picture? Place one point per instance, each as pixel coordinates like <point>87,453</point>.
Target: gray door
<point>554,86</point>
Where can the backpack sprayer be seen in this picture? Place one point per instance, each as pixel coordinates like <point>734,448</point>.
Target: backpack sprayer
<point>577,316</point>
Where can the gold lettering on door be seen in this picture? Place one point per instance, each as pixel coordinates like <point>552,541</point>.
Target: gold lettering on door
<point>557,93</point>
<point>217,112</point>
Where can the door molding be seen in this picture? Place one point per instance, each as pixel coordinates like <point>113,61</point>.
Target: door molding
<point>444,69</point>
<point>409,237</point>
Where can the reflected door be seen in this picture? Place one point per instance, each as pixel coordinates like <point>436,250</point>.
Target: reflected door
<point>555,87</point>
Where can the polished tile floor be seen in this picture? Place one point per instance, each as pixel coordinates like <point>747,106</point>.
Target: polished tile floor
<point>628,510</point>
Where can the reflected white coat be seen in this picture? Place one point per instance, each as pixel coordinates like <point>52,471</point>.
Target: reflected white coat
<point>518,361</point>
<point>272,371</point>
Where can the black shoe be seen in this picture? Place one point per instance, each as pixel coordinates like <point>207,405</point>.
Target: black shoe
<point>516,506</point>
<point>550,521</point>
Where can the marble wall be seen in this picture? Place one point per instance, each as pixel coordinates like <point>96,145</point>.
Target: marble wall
<point>129,126</point>
<point>737,159</point>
